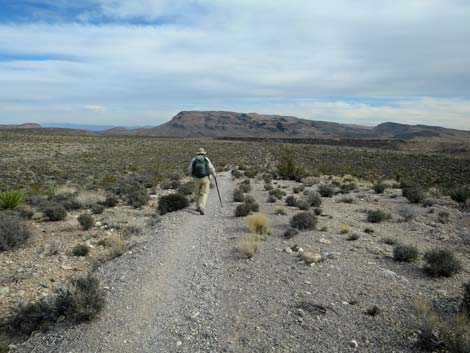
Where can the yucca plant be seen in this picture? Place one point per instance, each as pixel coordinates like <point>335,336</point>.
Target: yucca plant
<point>10,199</point>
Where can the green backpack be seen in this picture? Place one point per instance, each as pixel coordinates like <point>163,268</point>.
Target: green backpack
<point>200,167</point>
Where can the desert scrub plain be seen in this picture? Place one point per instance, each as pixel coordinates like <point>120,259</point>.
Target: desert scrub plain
<point>342,218</point>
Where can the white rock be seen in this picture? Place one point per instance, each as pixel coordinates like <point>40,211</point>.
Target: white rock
<point>288,250</point>
<point>354,344</point>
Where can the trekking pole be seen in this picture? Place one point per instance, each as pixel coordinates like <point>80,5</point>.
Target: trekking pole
<point>218,192</point>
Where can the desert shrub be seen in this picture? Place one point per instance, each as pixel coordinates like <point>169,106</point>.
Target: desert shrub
<point>88,198</point>
<point>428,203</point>
<point>443,217</point>
<point>280,210</point>
<point>246,181</point>
<point>374,310</point>
<point>405,253</point>
<point>313,198</point>
<point>303,205</point>
<point>33,316</point>
<point>407,213</point>
<point>186,189</point>
<point>238,195</point>
<point>248,245</point>
<point>244,188</point>
<point>97,209</point>
<point>271,199</point>
<point>347,188</point>
<point>288,168</point>
<point>268,186</point>
<point>441,263</point>
<point>258,223</point>
<point>326,190</point>
<point>317,211</point>
<point>80,299</point>
<point>346,200</point>
<point>303,221</point>
<point>277,193</point>
<point>251,173</point>
<point>465,307</point>
<point>171,203</point>
<point>68,200</point>
<point>54,211</point>
<point>86,221</point>
<point>251,202</point>
<point>460,194</point>
<point>5,342</point>
<point>291,200</point>
<point>377,216</point>
<point>118,247</point>
<point>297,189</point>
<point>379,187</point>
<point>24,211</point>
<point>111,201</point>
<point>236,174</point>
<point>353,237</point>
<point>13,232</point>
<point>290,233</point>
<point>242,210</point>
<point>80,250</point>
<point>389,241</point>
<point>10,199</point>
<point>267,178</point>
<point>414,193</point>
<point>138,197</point>
<point>369,231</point>
<point>170,184</point>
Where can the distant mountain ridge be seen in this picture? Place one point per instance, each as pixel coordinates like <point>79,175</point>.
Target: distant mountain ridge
<point>216,124</point>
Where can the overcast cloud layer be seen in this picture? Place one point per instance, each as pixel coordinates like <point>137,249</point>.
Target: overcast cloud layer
<point>140,62</point>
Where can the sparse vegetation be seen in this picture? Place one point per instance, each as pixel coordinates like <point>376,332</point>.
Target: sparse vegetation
<point>280,210</point>
<point>407,213</point>
<point>81,250</point>
<point>460,194</point>
<point>303,221</point>
<point>54,211</point>
<point>258,223</point>
<point>377,216</point>
<point>171,203</point>
<point>86,221</point>
<point>14,232</point>
<point>10,199</point>
<point>441,263</point>
<point>379,187</point>
<point>413,193</point>
<point>277,193</point>
<point>248,245</point>
<point>405,253</point>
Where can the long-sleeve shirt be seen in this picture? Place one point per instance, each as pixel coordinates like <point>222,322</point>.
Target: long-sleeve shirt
<point>211,166</point>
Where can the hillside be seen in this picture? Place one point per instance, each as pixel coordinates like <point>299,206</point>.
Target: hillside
<point>19,126</point>
<point>216,124</point>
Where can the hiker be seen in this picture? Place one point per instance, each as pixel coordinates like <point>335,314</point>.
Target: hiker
<point>201,169</point>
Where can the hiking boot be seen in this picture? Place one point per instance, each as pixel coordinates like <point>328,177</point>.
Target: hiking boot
<point>201,211</point>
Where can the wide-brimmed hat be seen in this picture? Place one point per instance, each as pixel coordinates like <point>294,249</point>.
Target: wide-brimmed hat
<point>201,151</point>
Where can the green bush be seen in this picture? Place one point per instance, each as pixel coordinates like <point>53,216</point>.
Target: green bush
<point>290,233</point>
<point>171,203</point>
<point>297,189</point>
<point>291,200</point>
<point>277,193</point>
<point>69,201</point>
<point>288,168</point>
<point>138,197</point>
<point>347,188</point>
<point>441,263</point>
<point>80,250</point>
<point>10,199</point>
<point>54,211</point>
<point>86,221</point>
<point>238,195</point>
<point>97,208</point>
<point>271,199</point>
<point>244,188</point>
<point>236,174</point>
<point>414,193</point>
<point>111,201</point>
<point>186,189</point>
<point>465,307</point>
<point>13,232</point>
<point>242,210</point>
<point>170,184</point>
<point>405,253</point>
<point>460,194</point>
<point>303,205</point>
<point>303,221</point>
<point>251,202</point>
<point>377,216</point>
<point>326,190</point>
<point>379,187</point>
<point>313,198</point>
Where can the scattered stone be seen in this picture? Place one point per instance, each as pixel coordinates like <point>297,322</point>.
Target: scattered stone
<point>324,241</point>
<point>288,250</point>
<point>4,291</point>
<point>354,344</point>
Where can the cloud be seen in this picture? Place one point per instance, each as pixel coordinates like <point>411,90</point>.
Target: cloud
<point>95,108</point>
<point>154,54</point>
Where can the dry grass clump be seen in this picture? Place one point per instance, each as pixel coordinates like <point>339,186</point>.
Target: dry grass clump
<point>90,198</point>
<point>248,245</point>
<point>344,229</point>
<point>280,210</point>
<point>258,223</point>
<point>118,246</point>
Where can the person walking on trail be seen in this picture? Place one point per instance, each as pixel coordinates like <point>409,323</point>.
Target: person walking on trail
<point>201,169</point>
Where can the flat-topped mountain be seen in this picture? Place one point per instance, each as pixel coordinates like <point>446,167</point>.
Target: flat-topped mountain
<point>229,124</point>
<point>20,126</point>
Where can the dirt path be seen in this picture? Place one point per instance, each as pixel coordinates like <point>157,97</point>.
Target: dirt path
<point>187,290</point>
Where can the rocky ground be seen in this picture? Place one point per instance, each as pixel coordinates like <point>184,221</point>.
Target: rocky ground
<point>187,289</point>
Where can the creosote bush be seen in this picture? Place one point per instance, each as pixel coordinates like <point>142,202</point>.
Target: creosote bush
<point>171,203</point>
<point>138,197</point>
<point>238,195</point>
<point>290,233</point>
<point>13,232</point>
<point>465,307</point>
<point>258,223</point>
<point>441,263</point>
<point>407,213</point>
<point>80,250</point>
<point>413,193</point>
<point>303,221</point>
<point>405,253</point>
<point>297,189</point>
<point>277,193</point>
<point>288,167</point>
<point>280,210</point>
<point>377,216</point>
<point>186,189</point>
<point>242,210</point>
<point>80,299</point>
<point>97,208</point>
<point>251,203</point>
<point>326,190</point>
<point>111,201</point>
<point>379,187</point>
<point>86,221</point>
<point>460,194</point>
<point>10,199</point>
<point>291,200</point>
<point>54,211</point>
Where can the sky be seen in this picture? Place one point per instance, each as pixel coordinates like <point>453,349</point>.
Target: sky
<point>123,62</point>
